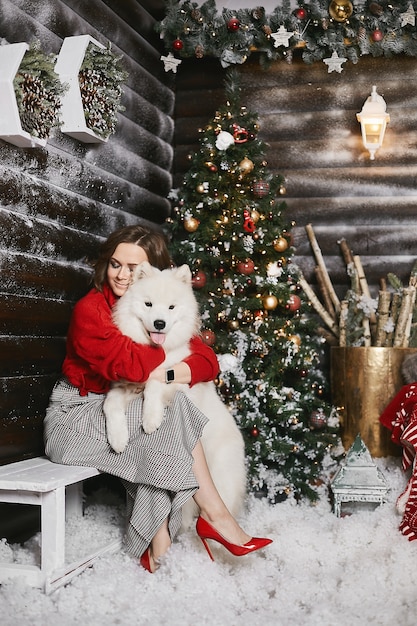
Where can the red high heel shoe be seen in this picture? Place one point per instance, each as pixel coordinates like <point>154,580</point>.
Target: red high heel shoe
<point>145,560</point>
<point>206,531</point>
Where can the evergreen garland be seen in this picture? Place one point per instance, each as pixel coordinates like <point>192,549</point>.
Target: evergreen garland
<point>38,91</point>
<point>100,79</point>
<point>318,29</point>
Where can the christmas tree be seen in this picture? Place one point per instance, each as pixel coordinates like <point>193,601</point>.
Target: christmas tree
<point>229,226</point>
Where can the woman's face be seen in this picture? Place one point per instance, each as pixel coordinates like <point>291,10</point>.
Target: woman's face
<point>121,265</point>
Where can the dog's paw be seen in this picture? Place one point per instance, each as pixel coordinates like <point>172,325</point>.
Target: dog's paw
<point>151,422</point>
<point>118,437</point>
<point>152,418</point>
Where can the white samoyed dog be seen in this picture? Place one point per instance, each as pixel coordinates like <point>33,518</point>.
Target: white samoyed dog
<point>160,307</point>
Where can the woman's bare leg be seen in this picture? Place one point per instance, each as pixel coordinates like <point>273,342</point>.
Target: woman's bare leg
<point>212,507</point>
<point>159,544</point>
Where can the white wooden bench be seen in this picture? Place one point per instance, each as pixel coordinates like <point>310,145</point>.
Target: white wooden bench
<point>57,489</point>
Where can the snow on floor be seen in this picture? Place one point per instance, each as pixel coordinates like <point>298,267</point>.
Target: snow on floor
<point>321,570</point>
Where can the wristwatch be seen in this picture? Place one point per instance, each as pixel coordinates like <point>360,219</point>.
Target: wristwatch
<point>169,376</point>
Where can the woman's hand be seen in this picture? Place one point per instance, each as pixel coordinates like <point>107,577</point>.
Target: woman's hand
<point>182,373</point>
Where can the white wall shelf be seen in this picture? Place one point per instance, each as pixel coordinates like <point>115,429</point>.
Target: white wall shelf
<point>11,130</point>
<point>70,59</point>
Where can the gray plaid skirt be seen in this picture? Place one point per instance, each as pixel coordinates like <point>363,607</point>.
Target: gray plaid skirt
<point>155,469</point>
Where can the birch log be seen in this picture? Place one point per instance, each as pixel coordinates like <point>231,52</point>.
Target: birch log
<point>320,262</point>
<point>384,301</point>
<point>400,338</point>
<point>317,305</point>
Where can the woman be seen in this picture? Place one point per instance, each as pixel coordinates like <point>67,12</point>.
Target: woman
<point>160,471</point>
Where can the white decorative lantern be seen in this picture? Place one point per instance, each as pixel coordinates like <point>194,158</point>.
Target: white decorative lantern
<point>373,119</point>
<point>358,479</point>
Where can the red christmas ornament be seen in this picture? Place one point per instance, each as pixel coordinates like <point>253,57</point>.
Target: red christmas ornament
<point>377,35</point>
<point>246,267</point>
<point>294,302</point>
<point>208,336</point>
<point>240,135</point>
<point>233,24</point>
<point>254,432</point>
<point>260,188</point>
<point>248,223</point>
<point>300,13</point>
<point>199,280</point>
<point>178,44</point>
<point>318,419</point>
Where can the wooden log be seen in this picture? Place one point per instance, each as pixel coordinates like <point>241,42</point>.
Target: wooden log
<point>370,325</point>
<point>395,309</point>
<point>320,262</point>
<point>26,315</point>
<point>344,308</point>
<point>384,301</point>
<point>21,356</point>
<point>328,305</point>
<point>317,305</point>
<point>407,332</point>
<point>346,252</point>
<point>400,334</point>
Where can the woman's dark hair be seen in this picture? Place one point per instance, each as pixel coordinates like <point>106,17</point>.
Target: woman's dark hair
<point>153,242</point>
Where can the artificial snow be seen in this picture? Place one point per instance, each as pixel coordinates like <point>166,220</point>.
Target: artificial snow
<point>321,570</point>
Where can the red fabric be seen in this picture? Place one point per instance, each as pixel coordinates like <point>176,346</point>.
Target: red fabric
<point>202,362</point>
<point>400,416</point>
<point>98,353</point>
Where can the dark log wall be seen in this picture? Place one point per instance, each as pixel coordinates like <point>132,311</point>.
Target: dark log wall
<point>308,118</point>
<point>58,202</point>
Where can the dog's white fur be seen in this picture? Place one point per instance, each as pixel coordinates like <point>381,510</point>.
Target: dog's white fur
<point>164,302</point>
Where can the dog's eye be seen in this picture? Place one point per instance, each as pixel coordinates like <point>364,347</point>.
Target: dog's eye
<point>172,306</point>
<point>148,303</point>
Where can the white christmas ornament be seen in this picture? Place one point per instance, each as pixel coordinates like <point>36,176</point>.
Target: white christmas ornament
<point>334,63</point>
<point>282,37</point>
<point>409,17</point>
<point>273,270</point>
<point>170,62</point>
<point>224,140</point>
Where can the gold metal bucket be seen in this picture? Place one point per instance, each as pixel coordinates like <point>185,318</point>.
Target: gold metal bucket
<point>363,381</point>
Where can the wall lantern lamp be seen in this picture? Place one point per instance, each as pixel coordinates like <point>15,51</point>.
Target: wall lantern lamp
<point>373,119</point>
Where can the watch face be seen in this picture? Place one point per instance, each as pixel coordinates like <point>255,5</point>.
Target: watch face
<point>170,376</point>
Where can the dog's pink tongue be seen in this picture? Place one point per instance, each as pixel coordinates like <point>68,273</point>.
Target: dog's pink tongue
<point>158,338</point>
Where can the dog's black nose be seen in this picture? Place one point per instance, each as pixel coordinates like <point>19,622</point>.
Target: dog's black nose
<point>159,324</point>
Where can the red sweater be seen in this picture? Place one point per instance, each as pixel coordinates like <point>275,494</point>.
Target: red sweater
<point>98,353</point>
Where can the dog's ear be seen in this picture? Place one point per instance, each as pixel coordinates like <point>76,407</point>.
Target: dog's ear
<point>143,270</point>
<point>183,273</point>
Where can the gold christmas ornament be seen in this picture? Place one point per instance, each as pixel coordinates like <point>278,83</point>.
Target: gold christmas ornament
<point>340,10</point>
<point>246,166</point>
<point>233,324</point>
<point>191,224</point>
<point>255,215</point>
<point>280,244</point>
<point>200,188</point>
<point>270,302</point>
